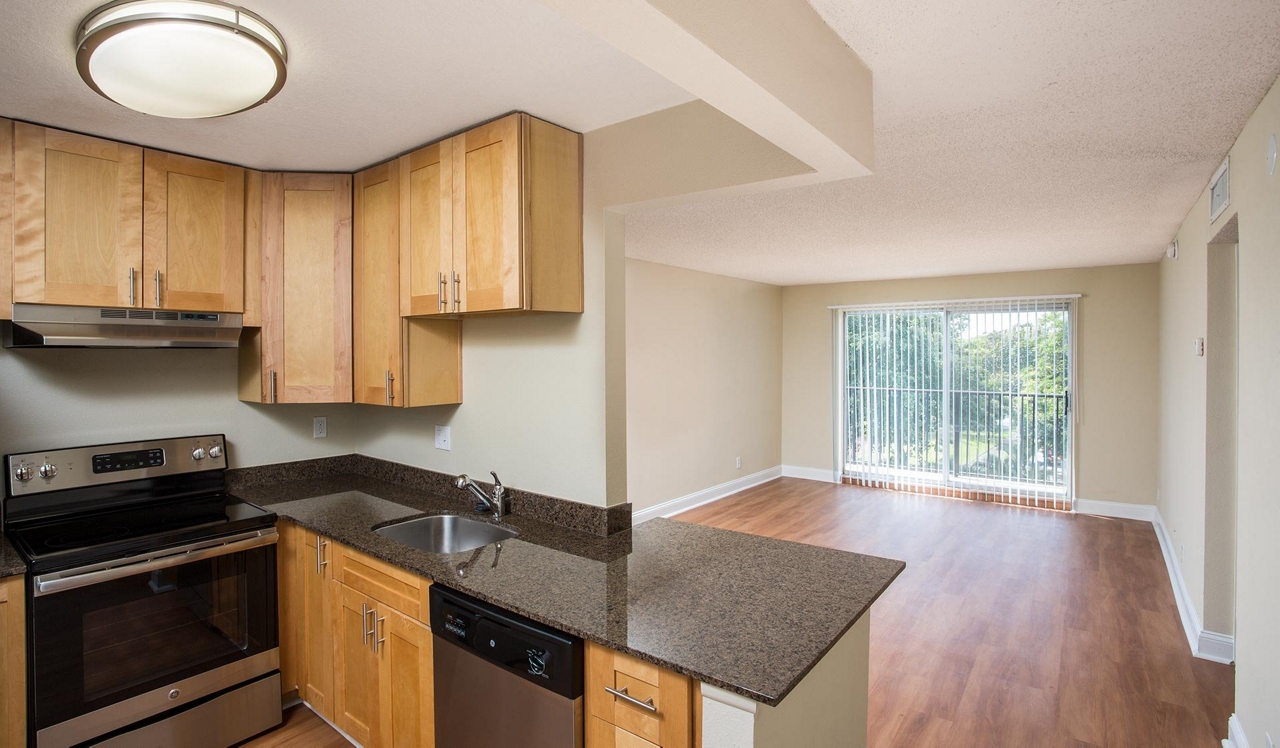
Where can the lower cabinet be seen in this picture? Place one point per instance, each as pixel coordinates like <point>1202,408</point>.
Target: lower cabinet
<point>355,664</point>
<point>636,704</point>
<point>357,661</point>
<point>354,645</point>
<point>316,633</point>
<point>13,662</point>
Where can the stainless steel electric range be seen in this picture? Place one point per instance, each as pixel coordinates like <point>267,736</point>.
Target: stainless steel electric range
<point>151,596</point>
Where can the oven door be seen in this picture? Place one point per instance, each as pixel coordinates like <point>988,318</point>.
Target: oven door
<point>115,644</point>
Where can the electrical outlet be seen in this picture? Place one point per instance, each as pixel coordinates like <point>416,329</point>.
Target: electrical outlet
<point>738,464</point>
<point>442,439</point>
<point>319,427</point>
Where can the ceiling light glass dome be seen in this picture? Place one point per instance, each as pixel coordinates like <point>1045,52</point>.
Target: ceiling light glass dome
<point>185,59</point>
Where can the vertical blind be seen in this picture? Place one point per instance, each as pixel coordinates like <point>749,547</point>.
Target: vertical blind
<point>967,398</point>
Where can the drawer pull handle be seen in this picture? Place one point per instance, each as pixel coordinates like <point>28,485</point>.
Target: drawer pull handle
<point>622,694</point>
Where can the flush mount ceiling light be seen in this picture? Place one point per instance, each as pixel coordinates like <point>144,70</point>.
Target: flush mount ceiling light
<point>185,59</point>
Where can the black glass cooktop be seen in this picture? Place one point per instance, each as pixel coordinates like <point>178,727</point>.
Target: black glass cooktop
<point>91,538</point>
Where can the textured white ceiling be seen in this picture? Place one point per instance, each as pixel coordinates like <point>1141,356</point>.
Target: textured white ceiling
<point>367,80</point>
<point>1010,135</point>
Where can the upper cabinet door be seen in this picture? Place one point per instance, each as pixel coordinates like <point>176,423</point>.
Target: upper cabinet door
<point>487,210</point>
<point>78,222</point>
<point>376,294</point>
<point>193,234</point>
<point>426,231</point>
<point>306,304</point>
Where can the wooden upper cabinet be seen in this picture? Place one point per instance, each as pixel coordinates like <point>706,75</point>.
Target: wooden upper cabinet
<point>376,293</point>
<point>193,234</point>
<point>6,218</point>
<point>426,231</point>
<point>78,219</point>
<point>397,362</point>
<point>252,248</point>
<point>517,217</point>
<point>302,354</point>
<point>486,181</point>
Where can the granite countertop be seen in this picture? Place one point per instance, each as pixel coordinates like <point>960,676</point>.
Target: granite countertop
<point>10,562</point>
<point>746,613</point>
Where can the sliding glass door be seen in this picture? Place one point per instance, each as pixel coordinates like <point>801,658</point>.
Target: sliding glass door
<point>967,398</point>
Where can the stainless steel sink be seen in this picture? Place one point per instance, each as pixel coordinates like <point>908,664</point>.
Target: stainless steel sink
<point>446,533</point>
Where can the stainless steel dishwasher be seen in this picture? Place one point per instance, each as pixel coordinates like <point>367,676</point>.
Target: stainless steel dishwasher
<point>501,679</point>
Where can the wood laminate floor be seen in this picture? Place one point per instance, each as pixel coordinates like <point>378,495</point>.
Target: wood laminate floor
<point>1010,626</point>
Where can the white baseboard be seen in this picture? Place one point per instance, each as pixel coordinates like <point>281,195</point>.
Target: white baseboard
<point>1235,734</point>
<point>1216,647</point>
<point>1207,645</point>
<point>706,495</point>
<point>808,473</point>
<point>1145,512</point>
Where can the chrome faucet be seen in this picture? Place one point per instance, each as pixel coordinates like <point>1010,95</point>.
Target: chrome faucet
<point>497,503</point>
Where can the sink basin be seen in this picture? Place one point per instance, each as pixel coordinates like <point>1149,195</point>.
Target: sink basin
<point>445,533</point>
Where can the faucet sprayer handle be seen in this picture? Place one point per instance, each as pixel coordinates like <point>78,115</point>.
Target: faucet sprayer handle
<point>496,483</point>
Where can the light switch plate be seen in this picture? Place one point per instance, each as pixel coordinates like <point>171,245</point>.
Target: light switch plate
<point>442,438</point>
<point>319,427</point>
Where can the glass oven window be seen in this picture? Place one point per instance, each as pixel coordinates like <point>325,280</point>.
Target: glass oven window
<point>97,645</point>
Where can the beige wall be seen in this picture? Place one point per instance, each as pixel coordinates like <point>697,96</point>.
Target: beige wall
<point>67,398</point>
<point>1221,355</point>
<point>1183,400</point>
<point>704,380</point>
<point>1255,200</point>
<point>1117,349</point>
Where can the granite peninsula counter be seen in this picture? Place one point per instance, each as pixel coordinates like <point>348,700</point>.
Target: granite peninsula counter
<point>746,614</point>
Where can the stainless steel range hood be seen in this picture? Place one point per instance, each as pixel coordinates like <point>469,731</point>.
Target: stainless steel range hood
<point>47,326</point>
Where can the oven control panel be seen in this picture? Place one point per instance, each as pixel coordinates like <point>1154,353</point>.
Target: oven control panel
<point>58,469</point>
<point>113,462</point>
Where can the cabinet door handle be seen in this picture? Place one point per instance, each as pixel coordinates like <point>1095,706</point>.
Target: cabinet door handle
<point>378,628</point>
<point>364,622</point>
<point>271,377</point>
<point>622,694</point>
<point>157,289</point>
<point>390,386</point>
<point>133,293</point>
<point>443,291</point>
<point>457,290</point>
<point>321,561</point>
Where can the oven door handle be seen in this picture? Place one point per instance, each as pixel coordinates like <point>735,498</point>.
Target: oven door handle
<point>61,581</point>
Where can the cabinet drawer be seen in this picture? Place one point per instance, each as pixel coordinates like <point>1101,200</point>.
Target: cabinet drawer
<point>402,590</point>
<point>601,734</point>
<point>668,724</point>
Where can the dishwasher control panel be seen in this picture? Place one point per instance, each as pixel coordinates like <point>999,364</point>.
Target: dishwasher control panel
<point>537,653</point>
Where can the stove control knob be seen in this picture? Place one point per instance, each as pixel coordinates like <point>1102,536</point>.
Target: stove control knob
<point>197,454</point>
<point>48,470</point>
<point>215,451</point>
<point>23,473</point>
